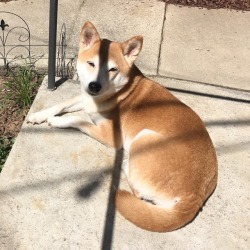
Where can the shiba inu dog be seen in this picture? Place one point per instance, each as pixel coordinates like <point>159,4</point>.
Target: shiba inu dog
<point>171,166</point>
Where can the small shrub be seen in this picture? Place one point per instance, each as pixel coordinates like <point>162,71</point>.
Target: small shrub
<point>22,84</point>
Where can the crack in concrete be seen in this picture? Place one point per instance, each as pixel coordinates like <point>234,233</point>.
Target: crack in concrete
<point>161,41</point>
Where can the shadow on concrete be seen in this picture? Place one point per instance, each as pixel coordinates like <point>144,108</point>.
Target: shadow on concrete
<point>92,186</point>
<point>108,230</point>
<point>59,82</point>
<point>245,122</point>
<point>87,190</point>
<point>98,176</point>
<point>44,128</point>
<point>225,98</point>
<point>110,212</point>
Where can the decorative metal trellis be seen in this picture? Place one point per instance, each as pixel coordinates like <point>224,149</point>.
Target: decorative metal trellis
<point>23,39</point>
<point>16,40</point>
<point>64,69</point>
<point>60,65</point>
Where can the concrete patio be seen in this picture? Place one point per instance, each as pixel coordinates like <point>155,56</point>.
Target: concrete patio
<point>55,186</point>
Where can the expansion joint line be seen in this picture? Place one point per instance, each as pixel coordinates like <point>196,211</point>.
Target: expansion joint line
<point>162,31</point>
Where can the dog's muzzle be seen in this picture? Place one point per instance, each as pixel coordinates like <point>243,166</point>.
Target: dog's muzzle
<point>94,88</point>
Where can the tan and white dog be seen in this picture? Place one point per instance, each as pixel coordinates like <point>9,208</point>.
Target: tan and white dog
<point>172,166</point>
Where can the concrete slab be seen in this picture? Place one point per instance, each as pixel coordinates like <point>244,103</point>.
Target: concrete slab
<point>115,20</point>
<point>210,46</point>
<point>54,188</point>
<point>119,20</point>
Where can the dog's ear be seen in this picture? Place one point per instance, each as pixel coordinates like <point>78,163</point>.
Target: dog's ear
<point>131,48</point>
<point>88,36</point>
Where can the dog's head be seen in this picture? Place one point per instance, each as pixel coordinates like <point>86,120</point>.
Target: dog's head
<point>104,66</point>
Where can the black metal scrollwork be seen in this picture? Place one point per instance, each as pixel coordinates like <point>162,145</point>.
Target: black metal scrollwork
<point>22,32</point>
<point>15,43</point>
<point>3,25</point>
<point>61,51</point>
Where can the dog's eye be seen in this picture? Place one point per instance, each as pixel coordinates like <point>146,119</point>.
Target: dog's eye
<point>91,64</point>
<point>114,69</point>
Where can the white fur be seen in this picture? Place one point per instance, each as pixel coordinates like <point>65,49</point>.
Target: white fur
<point>127,142</point>
<point>64,121</point>
<point>86,73</point>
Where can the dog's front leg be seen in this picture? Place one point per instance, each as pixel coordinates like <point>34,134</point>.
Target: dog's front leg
<point>74,104</point>
<point>104,132</point>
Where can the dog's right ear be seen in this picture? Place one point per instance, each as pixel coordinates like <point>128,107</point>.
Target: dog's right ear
<point>88,36</point>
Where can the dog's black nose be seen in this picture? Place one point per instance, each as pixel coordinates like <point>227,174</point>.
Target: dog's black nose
<point>95,87</point>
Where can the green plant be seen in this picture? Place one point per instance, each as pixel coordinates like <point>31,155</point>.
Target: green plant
<point>22,84</point>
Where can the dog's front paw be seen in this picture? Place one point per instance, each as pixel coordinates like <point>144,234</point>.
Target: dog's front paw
<point>64,121</point>
<point>37,118</point>
<point>57,122</point>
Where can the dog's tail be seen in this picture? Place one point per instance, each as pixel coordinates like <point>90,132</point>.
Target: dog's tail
<point>153,218</point>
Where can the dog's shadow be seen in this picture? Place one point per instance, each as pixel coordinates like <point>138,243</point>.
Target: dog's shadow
<point>91,187</point>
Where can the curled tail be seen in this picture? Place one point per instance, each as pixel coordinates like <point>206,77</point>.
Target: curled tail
<point>151,217</point>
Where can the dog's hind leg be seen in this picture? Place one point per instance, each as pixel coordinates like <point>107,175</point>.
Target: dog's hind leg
<point>74,104</point>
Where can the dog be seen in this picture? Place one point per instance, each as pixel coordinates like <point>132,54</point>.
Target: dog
<point>171,166</point>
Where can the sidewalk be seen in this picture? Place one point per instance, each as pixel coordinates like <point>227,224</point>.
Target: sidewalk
<point>54,188</point>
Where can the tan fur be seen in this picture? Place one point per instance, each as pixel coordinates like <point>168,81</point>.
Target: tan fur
<point>172,167</point>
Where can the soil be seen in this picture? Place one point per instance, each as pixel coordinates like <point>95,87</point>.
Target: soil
<point>214,4</point>
<point>11,116</point>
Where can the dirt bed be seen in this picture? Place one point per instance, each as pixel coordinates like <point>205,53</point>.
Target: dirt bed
<point>214,4</point>
<point>12,113</point>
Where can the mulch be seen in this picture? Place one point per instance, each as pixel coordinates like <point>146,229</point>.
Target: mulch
<point>243,5</point>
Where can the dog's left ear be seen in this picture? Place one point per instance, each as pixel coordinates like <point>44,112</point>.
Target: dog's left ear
<point>88,36</point>
<point>131,48</point>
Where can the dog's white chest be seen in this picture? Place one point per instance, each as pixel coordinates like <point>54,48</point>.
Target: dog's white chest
<point>89,104</point>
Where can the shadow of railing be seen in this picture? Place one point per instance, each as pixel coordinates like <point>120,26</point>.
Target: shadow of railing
<point>225,98</point>
<point>86,190</point>
<point>108,230</point>
<point>238,123</point>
